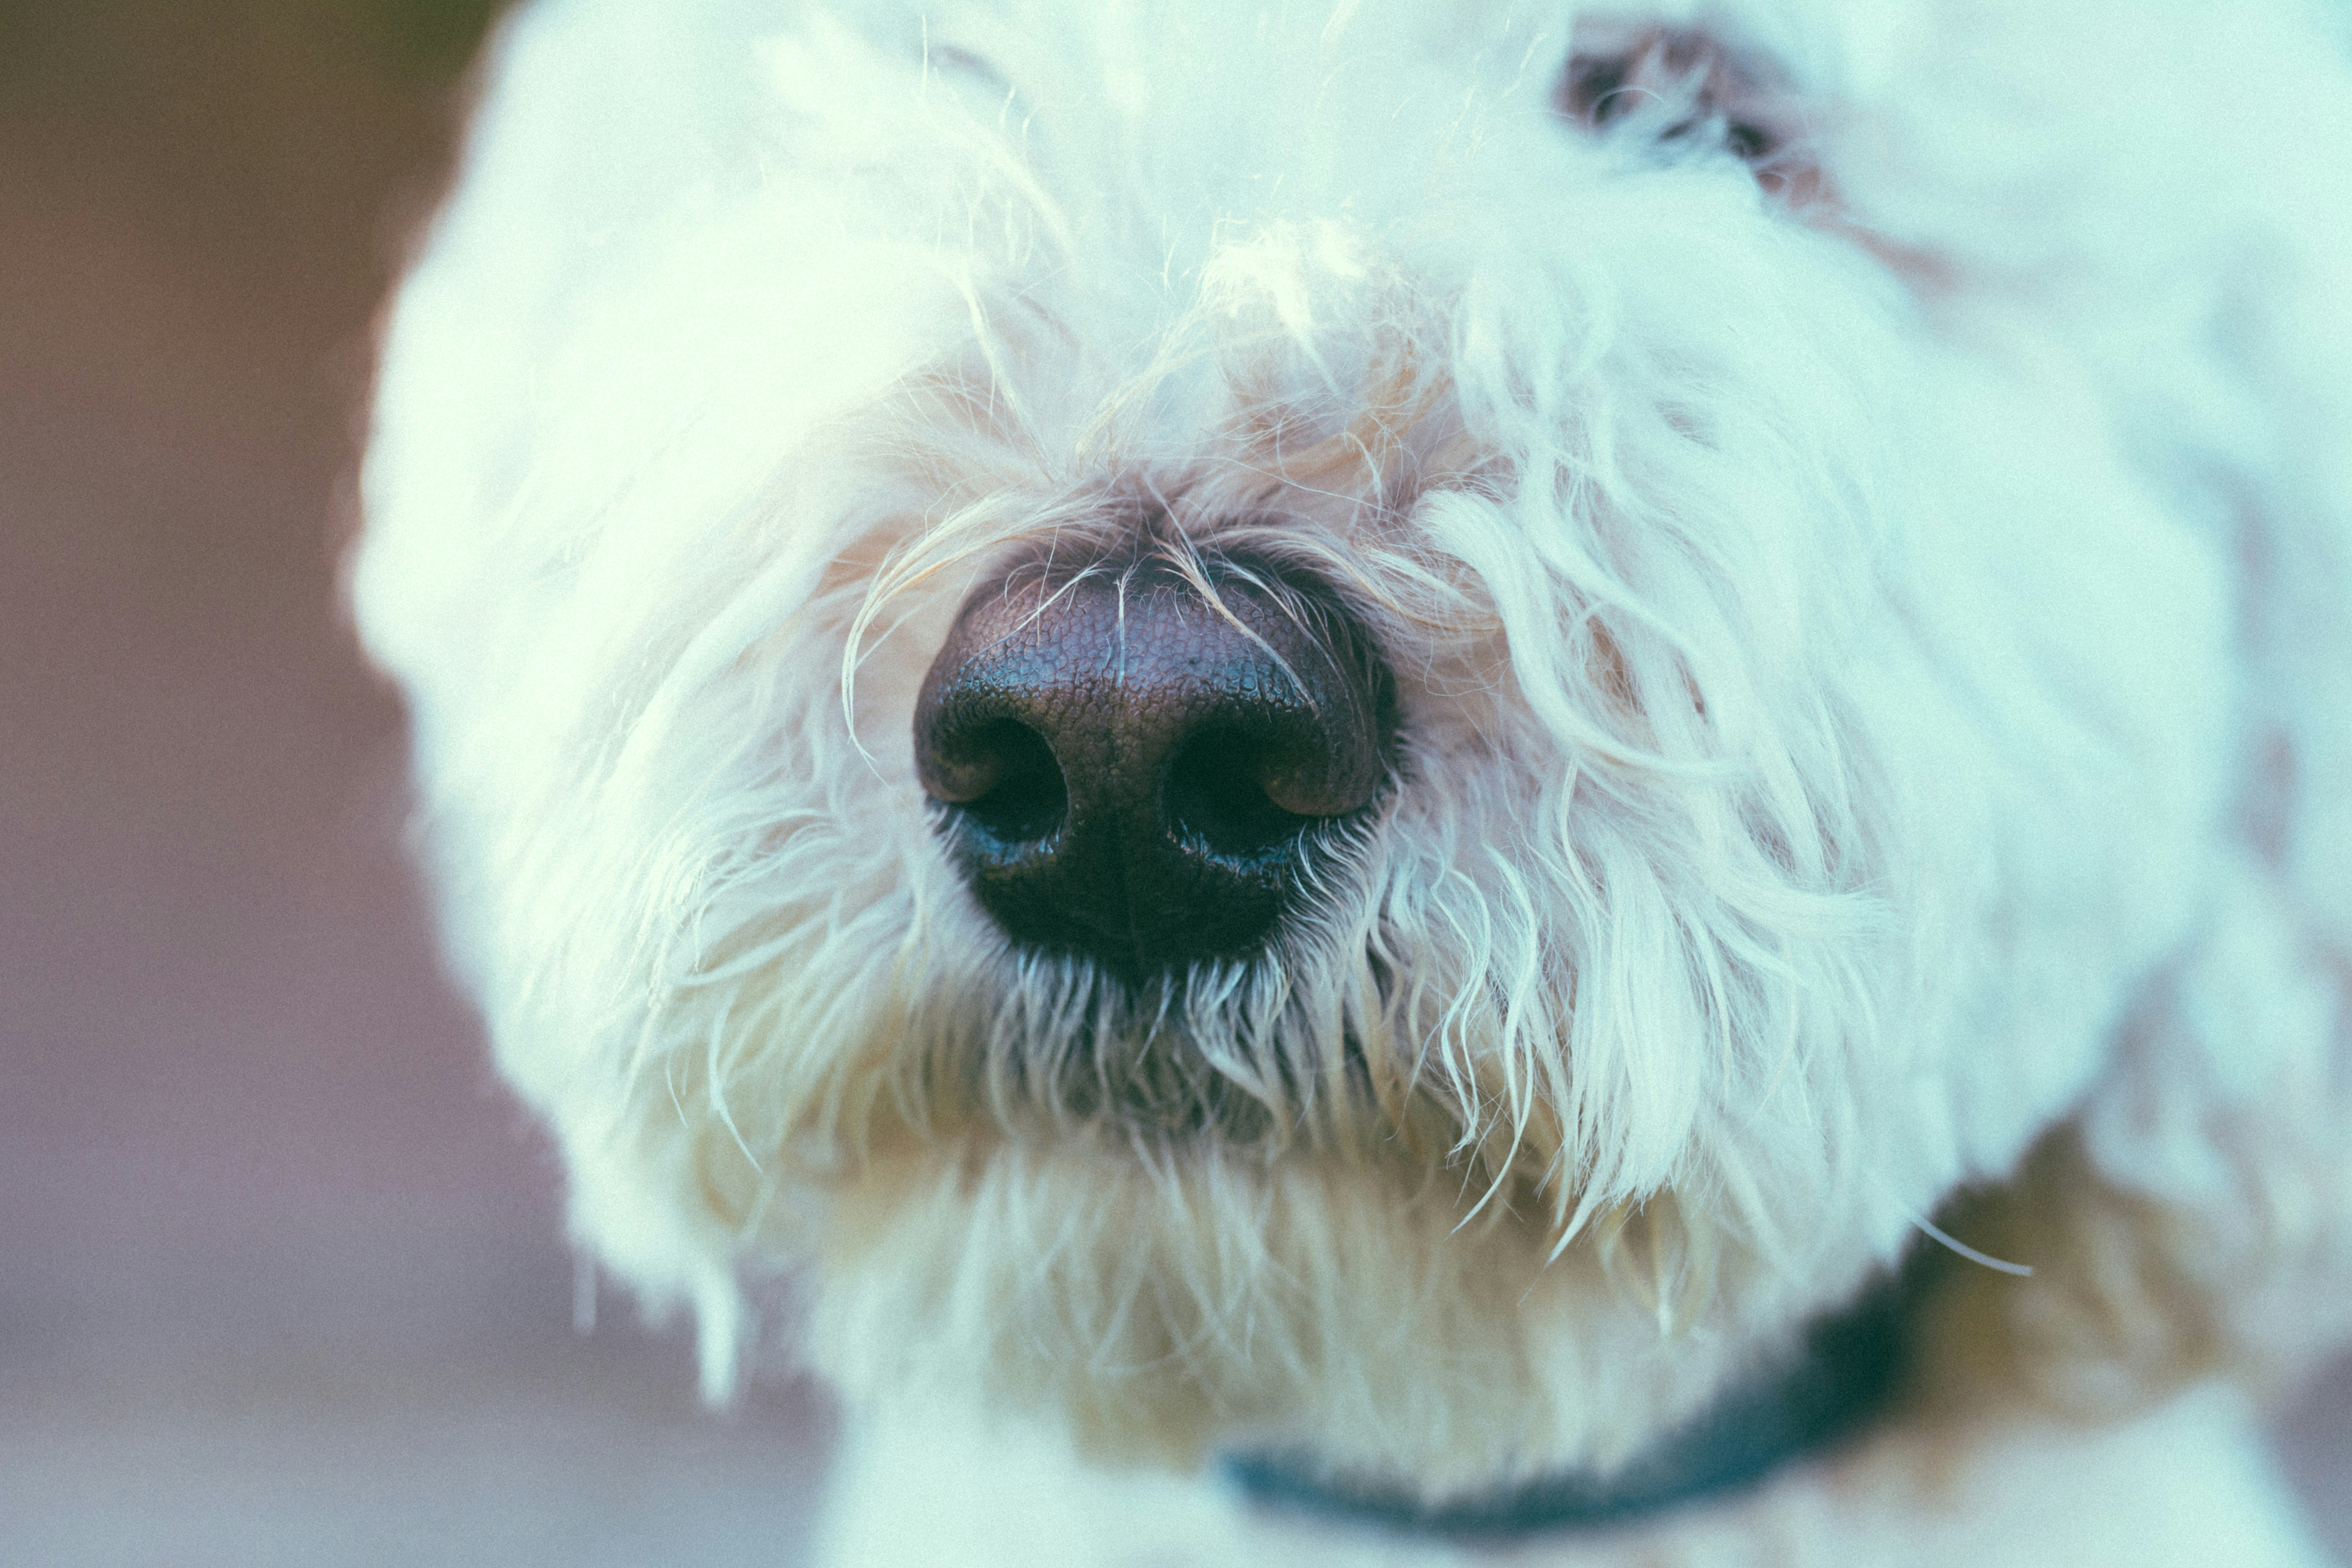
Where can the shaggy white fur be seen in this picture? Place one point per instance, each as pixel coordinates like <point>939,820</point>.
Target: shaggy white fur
<point>1856,496</point>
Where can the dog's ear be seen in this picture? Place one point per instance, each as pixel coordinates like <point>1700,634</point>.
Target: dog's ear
<point>2194,1217</point>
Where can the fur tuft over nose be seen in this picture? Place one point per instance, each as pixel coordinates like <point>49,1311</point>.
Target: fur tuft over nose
<point>1142,762</point>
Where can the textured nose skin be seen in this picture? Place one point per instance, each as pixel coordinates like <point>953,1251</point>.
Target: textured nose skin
<point>1127,770</point>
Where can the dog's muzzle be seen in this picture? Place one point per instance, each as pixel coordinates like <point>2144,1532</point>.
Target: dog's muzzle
<point>1133,769</point>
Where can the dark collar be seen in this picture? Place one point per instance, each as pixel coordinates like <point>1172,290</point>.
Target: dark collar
<point>1846,1372</point>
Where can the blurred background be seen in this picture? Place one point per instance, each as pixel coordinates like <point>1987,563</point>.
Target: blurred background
<point>281,1279</point>
<point>281,1270</point>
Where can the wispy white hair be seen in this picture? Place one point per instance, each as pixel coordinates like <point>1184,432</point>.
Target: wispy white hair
<point>1832,670</point>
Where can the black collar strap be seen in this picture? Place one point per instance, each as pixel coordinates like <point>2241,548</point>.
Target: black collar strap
<point>1848,1371</point>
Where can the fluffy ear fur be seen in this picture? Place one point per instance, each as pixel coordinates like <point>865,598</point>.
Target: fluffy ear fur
<point>2195,1215</point>
<point>2195,1219</point>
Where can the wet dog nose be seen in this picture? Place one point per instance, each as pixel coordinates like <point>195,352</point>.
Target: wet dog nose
<point>1128,768</point>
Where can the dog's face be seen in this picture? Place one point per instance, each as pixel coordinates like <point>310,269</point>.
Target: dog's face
<point>1384,728</point>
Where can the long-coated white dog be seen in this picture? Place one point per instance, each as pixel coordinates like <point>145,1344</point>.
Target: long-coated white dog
<point>1378,781</point>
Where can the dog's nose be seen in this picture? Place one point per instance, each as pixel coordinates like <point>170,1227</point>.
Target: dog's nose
<point>1134,769</point>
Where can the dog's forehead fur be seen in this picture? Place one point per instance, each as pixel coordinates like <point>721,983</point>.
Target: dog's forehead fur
<point>1873,682</point>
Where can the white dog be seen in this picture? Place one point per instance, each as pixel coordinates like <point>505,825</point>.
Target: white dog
<point>1314,770</point>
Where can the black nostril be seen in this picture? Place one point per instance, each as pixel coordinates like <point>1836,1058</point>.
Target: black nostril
<point>1135,762</point>
<point>1002,778</point>
<point>1217,800</point>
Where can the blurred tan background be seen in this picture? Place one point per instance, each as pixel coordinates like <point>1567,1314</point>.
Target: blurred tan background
<point>281,1271</point>
<point>281,1279</point>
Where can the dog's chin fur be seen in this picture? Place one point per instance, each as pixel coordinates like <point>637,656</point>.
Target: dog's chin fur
<point>1872,657</point>
<point>1207,1294</point>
